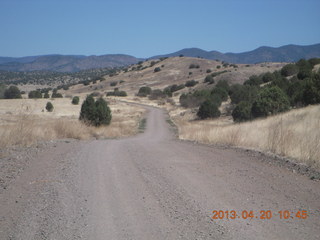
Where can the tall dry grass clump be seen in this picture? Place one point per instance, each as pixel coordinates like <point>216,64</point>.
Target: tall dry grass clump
<point>295,134</point>
<point>25,129</point>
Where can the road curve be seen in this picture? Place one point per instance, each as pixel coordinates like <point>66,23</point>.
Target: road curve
<point>153,186</point>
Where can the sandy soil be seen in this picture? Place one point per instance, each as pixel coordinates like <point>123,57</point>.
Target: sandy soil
<point>153,186</point>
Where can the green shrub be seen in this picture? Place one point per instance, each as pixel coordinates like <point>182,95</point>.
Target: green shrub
<point>240,93</point>
<point>208,110</point>
<point>222,93</point>
<point>12,92</point>
<point>270,100</point>
<point>46,95</point>
<point>242,112</point>
<point>172,88</point>
<point>223,84</point>
<point>114,83</point>
<point>295,92</point>
<point>289,70</point>
<point>117,93</point>
<point>215,98</point>
<point>282,83</point>
<point>86,83</point>
<point>95,113</point>
<point>192,65</point>
<point>49,107</point>
<point>2,90</point>
<point>268,77</point>
<point>157,69</point>
<point>254,81</point>
<point>208,71</point>
<point>314,61</point>
<point>35,94</point>
<point>191,83</point>
<point>56,95</point>
<point>75,100</point>
<point>144,91</point>
<point>209,79</point>
<point>153,63</point>
<point>304,73</point>
<point>311,93</point>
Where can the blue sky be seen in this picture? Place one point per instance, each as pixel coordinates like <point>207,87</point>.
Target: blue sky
<point>144,28</point>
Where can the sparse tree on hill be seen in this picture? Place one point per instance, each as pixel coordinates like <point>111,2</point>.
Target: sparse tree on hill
<point>12,92</point>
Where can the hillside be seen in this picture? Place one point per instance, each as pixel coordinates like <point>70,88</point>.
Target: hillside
<point>174,70</point>
<point>63,63</point>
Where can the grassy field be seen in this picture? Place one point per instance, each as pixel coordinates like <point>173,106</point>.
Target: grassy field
<point>294,134</point>
<point>25,121</point>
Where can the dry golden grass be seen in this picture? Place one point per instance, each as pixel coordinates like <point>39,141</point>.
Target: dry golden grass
<point>24,124</point>
<point>295,134</point>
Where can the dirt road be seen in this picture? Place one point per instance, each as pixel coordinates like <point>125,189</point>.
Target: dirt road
<point>153,186</point>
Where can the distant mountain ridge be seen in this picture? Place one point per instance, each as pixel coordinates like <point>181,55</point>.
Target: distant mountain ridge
<point>65,63</point>
<point>74,63</point>
<point>288,53</point>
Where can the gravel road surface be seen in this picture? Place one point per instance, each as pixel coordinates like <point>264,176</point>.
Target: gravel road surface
<point>153,186</point>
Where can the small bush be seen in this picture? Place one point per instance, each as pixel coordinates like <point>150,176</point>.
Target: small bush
<point>174,88</point>
<point>95,113</point>
<point>192,65</point>
<point>209,79</point>
<point>157,69</point>
<point>153,63</point>
<point>56,95</point>
<point>117,93</point>
<point>191,83</point>
<point>208,71</point>
<point>208,110</point>
<point>46,95</point>
<point>75,100</point>
<point>35,94</point>
<point>144,91</point>
<point>113,84</point>
<point>49,107</point>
